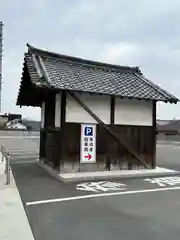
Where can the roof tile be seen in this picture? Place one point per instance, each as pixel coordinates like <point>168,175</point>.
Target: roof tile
<point>75,74</point>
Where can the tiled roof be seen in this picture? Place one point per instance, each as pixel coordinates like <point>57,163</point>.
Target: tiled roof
<point>69,73</point>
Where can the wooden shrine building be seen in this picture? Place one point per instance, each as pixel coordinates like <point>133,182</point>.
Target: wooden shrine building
<point>118,103</point>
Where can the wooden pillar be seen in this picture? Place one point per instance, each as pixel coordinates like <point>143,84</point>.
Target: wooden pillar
<point>57,132</point>
<point>63,120</point>
<point>110,153</point>
<point>42,133</point>
<point>154,135</point>
<point>49,127</point>
<point>112,108</point>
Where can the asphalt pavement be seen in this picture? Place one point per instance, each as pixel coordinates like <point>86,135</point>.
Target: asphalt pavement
<point>118,209</point>
<point>146,208</point>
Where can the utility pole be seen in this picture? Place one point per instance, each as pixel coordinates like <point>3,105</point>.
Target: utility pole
<point>1,55</point>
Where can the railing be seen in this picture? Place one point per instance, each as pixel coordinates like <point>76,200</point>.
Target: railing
<point>6,158</point>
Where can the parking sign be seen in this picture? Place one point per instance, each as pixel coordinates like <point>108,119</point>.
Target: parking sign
<point>88,131</point>
<point>88,143</point>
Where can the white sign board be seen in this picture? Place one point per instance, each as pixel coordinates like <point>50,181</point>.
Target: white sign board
<point>88,143</point>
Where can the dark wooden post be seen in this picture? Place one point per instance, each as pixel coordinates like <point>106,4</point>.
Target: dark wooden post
<point>42,135</point>
<point>57,134</point>
<point>63,119</point>
<point>112,105</point>
<point>154,135</point>
<point>109,155</point>
<point>42,145</point>
<point>49,127</point>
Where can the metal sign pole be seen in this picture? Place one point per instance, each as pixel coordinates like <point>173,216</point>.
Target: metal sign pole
<point>6,157</point>
<point>1,153</point>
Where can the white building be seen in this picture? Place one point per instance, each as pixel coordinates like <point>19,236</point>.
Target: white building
<point>15,125</point>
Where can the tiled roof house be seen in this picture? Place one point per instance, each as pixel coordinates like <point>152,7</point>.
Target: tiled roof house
<point>71,91</point>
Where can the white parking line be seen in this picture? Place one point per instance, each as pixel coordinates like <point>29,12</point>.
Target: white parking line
<point>20,162</point>
<point>23,157</point>
<point>19,137</point>
<point>100,195</point>
<point>22,152</point>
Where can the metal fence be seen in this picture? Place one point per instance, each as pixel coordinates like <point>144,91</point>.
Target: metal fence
<point>6,158</point>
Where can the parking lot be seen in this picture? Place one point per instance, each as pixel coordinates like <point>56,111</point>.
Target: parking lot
<point>146,208</point>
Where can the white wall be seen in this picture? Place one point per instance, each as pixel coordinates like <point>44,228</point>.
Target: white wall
<point>42,114</point>
<point>133,112</point>
<point>58,110</point>
<point>99,104</point>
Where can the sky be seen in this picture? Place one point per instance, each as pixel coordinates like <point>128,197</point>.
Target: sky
<point>126,32</point>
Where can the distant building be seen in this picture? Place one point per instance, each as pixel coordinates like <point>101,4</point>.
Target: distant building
<point>162,122</point>
<point>32,125</point>
<point>3,120</point>
<point>15,124</point>
<point>14,116</point>
<point>169,130</point>
<point>7,117</point>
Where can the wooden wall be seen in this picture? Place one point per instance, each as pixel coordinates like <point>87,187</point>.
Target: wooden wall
<point>139,138</point>
<point>50,137</point>
<point>62,144</point>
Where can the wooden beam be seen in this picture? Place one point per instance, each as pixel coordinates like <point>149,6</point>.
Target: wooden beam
<point>154,135</point>
<point>112,108</point>
<point>63,108</point>
<point>63,120</point>
<point>45,115</point>
<point>113,134</point>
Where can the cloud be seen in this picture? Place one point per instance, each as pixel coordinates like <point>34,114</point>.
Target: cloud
<point>136,33</point>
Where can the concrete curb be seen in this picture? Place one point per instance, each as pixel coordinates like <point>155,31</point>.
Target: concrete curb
<point>11,208</point>
<point>29,234</point>
<point>168,143</point>
<point>49,170</point>
<point>110,177</point>
<point>133,176</point>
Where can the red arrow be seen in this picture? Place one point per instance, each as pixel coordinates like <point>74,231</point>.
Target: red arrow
<point>89,156</point>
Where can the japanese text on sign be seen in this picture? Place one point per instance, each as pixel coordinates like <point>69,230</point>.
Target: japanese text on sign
<point>88,143</point>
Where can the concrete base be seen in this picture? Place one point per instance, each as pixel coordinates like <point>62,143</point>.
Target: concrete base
<point>94,167</point>
<point>121,174</point>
